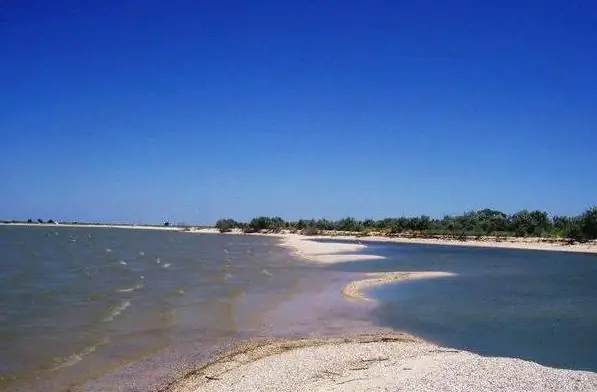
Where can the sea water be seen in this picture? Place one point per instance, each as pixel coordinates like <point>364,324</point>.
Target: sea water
<point>120,309</point>
<point>535,305</point>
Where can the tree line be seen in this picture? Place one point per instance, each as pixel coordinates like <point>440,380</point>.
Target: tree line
<point>486,222</point>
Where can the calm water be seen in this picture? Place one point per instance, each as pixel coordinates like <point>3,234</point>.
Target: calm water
<point>78,304</point>
<point>96,309</point>
<point>540,306</point>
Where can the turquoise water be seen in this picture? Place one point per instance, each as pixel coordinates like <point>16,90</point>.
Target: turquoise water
<point>540,306</point>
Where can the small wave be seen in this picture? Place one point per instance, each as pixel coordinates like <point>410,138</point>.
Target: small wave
<point>108,250</point>
<point>117,311</point>
<point>227,276</point>
<point>141,253</point>
<point>166,265</point>
<point>122,262</point>
<point>130,289</point>
<point>157,260</point>
<point>77,357</point>
<point>266,272</point>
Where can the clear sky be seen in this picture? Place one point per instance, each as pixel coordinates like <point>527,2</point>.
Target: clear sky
<point>145,111</point>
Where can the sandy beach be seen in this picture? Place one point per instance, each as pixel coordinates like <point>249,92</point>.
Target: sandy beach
<point>373,363</point>
<point>489,242</point>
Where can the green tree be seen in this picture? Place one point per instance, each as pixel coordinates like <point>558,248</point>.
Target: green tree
<point>226,225</point>
<point>525,223</point>
<point>584,227</point>
<point>588,223</point>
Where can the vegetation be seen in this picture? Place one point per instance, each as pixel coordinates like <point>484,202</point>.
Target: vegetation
<point>480,223</point>
<point>226,225</point>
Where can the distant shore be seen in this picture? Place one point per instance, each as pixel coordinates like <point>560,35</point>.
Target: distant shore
<point>524,243</point>
<point>94,225</point>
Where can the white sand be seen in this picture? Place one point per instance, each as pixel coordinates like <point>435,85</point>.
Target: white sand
<point>355,289</point>
<point>488,242</point>
<point>336,252</point>
<point>325,252</point>
<point>378,364</point>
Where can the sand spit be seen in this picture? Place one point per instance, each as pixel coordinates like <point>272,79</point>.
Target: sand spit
<point>355,289</point>
<point>373,363</point>
<point>325,252</point>
<point>335,252</point>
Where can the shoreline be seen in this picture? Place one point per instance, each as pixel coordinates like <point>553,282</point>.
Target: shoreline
<point>332,252</point>
<point>389,361</point>
<point>371,363</point>
<point>516,243</point>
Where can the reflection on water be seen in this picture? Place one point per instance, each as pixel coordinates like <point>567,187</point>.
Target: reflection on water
<point>540,306</point>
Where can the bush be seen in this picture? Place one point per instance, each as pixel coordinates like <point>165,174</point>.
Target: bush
<point>311,230</point>
<point>226,225</point>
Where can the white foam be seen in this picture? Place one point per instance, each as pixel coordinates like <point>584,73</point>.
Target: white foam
<point>117,311</point>
<point>122,262</point>
<point>166,265</point>
<point>130,289</point>
<point>266,272</point>
<point>77,357</point>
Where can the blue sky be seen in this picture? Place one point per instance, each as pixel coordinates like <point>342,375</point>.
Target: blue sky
<point>190,111</point>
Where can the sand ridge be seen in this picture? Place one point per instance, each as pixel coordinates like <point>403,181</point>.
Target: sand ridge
<point>355,289</point>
